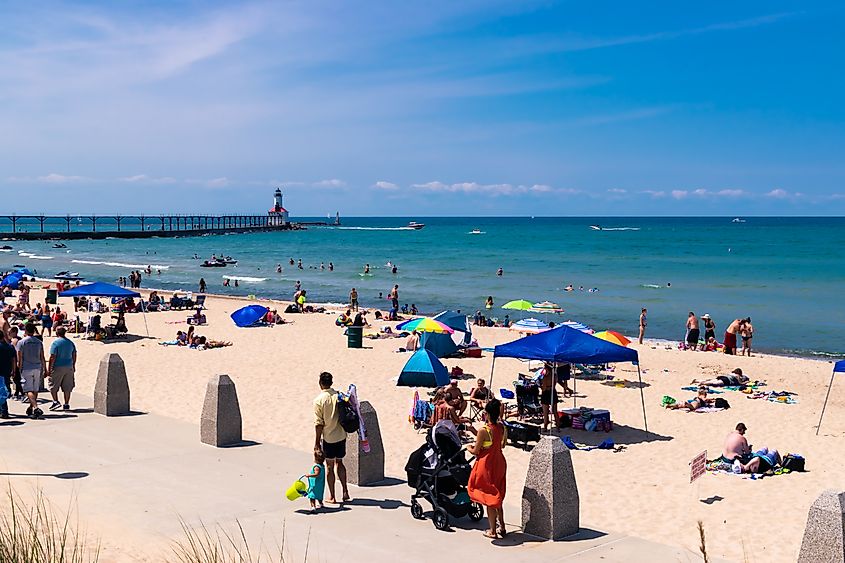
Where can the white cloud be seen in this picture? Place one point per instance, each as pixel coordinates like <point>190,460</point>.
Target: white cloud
<point>333,183</point>
<point>680,194</point>
<point>382,185</point>
<point>778,194</point>
<point>221,182</point>
<point>654,193</point>
<point>144,179</point>
<point>617,191</point>
<point>54,178</point>
<point>491,189</point>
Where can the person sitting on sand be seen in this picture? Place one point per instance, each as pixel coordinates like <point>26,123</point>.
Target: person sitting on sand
<point>360,319</point>
<point>698,402</point>
<point>734,379</point>
<point>736,446</point>
<point>761,461</point>
<point>413,342</point>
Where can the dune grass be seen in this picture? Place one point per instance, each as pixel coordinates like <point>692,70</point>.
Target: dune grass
<point>34,532</point>
<point>203,545</point>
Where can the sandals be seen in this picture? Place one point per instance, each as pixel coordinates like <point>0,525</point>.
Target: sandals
<point>488,535</point>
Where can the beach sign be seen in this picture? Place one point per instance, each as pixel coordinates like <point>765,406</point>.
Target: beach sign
<point>697,466</point>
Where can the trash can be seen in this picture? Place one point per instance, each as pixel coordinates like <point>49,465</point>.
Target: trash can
<point>52,295</point>
<point>354,337</point>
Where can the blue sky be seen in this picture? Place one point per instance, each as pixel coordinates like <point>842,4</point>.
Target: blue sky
<point>424,108</point>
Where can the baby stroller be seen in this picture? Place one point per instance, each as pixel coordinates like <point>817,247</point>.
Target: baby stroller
<point>438,471</point>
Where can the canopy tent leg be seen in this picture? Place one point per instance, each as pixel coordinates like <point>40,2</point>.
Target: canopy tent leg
<point>824,406</point>
<point>492,366</point>
<point>144,312</point>
<point>574,390</point>
<point>642,398</point>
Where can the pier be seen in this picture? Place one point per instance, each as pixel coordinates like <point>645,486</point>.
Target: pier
<point>75,227</point>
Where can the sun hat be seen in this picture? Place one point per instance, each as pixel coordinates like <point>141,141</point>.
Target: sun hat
<point>705,316</point>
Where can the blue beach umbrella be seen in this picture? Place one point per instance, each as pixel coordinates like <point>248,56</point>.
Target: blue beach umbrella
<point>12,280</point>
<point>530,326</point>
<point>25,271</point>
<point>249,315</point>
<point>423,369</point>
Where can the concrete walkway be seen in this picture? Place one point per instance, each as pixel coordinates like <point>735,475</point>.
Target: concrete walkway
<point>133,478</point>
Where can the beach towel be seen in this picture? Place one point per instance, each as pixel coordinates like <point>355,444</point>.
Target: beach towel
<point>709,390</point>
<point>706,410</point>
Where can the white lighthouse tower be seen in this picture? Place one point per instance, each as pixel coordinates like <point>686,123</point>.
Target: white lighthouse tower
<point>278,214</point>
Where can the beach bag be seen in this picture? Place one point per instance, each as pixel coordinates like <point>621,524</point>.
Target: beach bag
<point>347,416</point>
<point>721,403</point>
<point>793,462</point>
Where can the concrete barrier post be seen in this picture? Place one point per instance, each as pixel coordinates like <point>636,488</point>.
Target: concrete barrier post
<point>365,468</point>
<point>550,503</point>
<point>221,423</point>
<point>111,390</point>
<point>824,536</point>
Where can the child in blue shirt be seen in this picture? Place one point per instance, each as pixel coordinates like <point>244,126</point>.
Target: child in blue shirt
<point>317,481</point>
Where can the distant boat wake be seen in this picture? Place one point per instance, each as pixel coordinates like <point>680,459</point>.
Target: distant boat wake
<point>598,228</point>
<point>122,265</point>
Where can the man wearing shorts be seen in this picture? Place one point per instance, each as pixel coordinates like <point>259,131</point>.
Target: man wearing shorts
<point>330,437</point>
<point>548,395</point>
<point>693,332</point>
<point>32,364</point>
<point>61,369</point>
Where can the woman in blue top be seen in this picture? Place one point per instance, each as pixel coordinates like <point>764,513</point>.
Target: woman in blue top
<point>317,481</point>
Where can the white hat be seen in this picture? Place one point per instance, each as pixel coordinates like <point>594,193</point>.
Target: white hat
<point>705,316</point>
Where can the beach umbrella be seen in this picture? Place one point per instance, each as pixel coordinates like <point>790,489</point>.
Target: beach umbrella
<point>12,280</point>
<point>518,305</point>
<point>578,326</point>
<point>546,307</point>
<point>424,324</point>
<point>423,369</point>
<point>613,336</point>
<point>249,315</point>
<point>532,326</point>
<point>25,271</point>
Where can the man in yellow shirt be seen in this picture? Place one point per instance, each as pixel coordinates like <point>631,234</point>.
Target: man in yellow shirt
<point>330,437</point>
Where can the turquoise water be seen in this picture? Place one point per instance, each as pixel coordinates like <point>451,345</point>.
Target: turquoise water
<point>785,273</point>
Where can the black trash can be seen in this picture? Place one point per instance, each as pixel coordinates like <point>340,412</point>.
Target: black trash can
<point>355,337</point>
<point>52,295</point>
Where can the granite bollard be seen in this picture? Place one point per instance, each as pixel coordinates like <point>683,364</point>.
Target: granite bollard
<point>824,536</point>
<point>550,503</point>
<point>221,423</point>
<point>365,468</point>
<point>111,390</point>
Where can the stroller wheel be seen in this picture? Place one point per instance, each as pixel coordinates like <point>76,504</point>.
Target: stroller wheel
<point>417,510</point>
<point>440,519</point>
<point>476,512</point>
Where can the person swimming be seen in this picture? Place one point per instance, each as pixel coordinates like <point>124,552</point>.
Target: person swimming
<point>366,268</point>
<point>500,272</point>
<point>569,288</point>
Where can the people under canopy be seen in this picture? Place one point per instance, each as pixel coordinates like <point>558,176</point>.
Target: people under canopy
<point>564,344</point>
<point>423,369</point>
<point>102,289</point>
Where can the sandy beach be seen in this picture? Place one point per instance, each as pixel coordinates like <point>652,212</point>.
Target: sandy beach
<point>643,490</point>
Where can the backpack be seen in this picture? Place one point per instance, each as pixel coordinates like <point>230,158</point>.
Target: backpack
<point>793,462</point>
<point>347,415</point>
<point>721,403</point>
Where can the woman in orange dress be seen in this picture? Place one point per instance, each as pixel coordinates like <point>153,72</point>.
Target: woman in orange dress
<point>489,474</point>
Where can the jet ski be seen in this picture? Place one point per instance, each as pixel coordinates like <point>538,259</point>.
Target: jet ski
<point>69,276</point>
<point>59,245</point>
<point>213,264</point>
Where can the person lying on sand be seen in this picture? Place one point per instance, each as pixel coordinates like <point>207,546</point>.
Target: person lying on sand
<point>761,461</point>
<point>734,379</point>
<point>698,402</point>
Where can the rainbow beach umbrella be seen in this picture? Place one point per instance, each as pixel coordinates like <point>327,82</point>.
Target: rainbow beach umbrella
<point>424,324</point>
<point>613,336</point>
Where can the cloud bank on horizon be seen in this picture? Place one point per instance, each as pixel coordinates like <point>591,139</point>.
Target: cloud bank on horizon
<point>491,107</point>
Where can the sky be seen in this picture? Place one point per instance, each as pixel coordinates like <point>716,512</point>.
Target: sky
<point>477,107</point>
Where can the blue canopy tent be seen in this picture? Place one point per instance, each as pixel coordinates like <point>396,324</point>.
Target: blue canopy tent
<point>458,323</point>
<point>838,367</point>
<point>12,280</point>
<point>249,315</point>
<point>567,345</point>
<point>440,344</point>
<point>423,369</point>
<point>102,289</point>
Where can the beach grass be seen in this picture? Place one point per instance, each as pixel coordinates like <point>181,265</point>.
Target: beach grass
<point>200,544</point>
<point>35,532</point>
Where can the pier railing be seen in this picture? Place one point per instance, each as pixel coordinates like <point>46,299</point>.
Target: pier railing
<point>130,226</point>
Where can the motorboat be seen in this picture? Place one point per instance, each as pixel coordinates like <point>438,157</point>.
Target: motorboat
<point>5,247</point>
<point>60,245</point>
<point>213,264</point>
<point>738,220</point>
<point>69,276</point>
<point>596,227</point>
<point>416,226</point>
<point>475,232</point>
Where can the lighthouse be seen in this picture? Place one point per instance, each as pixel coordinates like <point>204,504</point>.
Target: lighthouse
<point>278,215</point>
